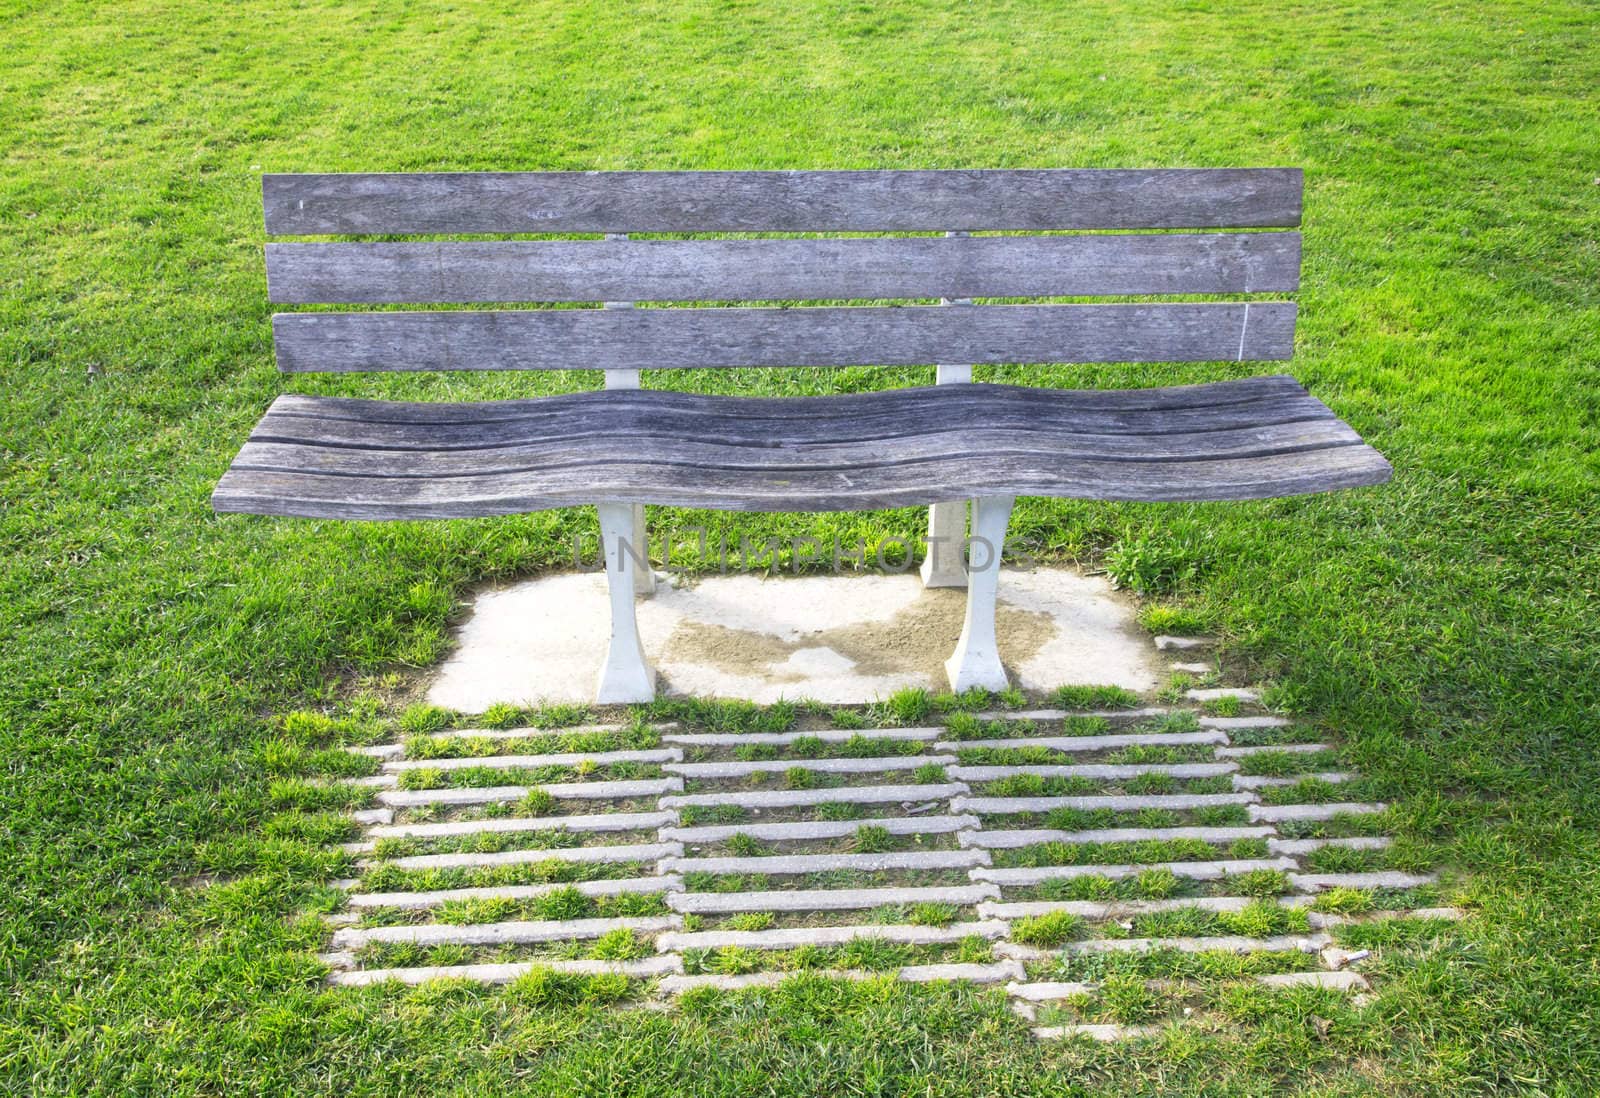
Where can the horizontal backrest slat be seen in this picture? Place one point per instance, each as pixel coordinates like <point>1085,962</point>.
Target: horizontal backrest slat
<point>798,201</point>
<point>785,269</point>
<point>668,338</point>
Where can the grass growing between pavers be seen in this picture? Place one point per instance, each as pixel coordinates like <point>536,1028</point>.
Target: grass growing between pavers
<point>156,865</point>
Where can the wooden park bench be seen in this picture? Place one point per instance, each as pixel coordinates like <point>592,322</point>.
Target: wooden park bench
<point>1042,236</point>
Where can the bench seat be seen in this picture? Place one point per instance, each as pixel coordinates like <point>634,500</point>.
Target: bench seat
<point>325,457</point>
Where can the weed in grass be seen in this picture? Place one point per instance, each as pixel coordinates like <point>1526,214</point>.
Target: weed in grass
<point>562,903</point>
<point>807,747</point>
<point>419,720</point>
<point>501,715</point>
<point>1156,884</point>
<point>538,802</point>
<point>1248,848</point>
<point>1176,621</point>
<point>932,914</point>
<point>424,777</point>
<point>907,706</point>
<point>700,815</point>
<point>762,752</point>
<point>1127,999</point>
<point>847,718</point>
<point>835,811</point>
<point>1094,697</point>
<point>1228,706</point>
<point>798,777</point>
<point>1048,930</point>
<point>751,920</point>
<point>963,726</point>
<point>621,944</point>
<point>871,839</point>
<point>1262,918</point>
<point>733,961</point>
<point>743,845</point>
<point>1079,888</point>
<point>1343,901</point>
<point>974,949</point>
<point>969,702</point>
<point>1153,783</point>
<point>1222,815</point>
<point>1261,882</point>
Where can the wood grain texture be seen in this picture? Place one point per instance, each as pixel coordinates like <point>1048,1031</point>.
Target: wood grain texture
<point>793,201</point>
<point>783,269</point>
<point>332,458</point>
<point>676,338</point>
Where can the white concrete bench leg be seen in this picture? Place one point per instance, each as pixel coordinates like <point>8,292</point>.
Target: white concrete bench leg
<point>627,676</point>
<point>976,661</point>
<point>947,529</point>
<point>644,580</point>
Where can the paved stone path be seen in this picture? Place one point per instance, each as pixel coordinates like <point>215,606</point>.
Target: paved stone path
<point>730,860</point>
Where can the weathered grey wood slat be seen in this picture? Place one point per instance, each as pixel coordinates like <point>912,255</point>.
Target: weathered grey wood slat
<point>314,496</point>
<point>732,410</point>
<point>789,201</point>
<point>671,338</point>
<point>325,478</point>
<point>784,270</point>
<point>1054,423</point>
<point>576,453</point>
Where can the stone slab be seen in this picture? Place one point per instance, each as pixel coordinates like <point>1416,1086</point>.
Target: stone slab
<point>837,639</point>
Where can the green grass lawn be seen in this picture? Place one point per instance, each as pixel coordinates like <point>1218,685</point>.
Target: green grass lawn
<point>1444,624</point>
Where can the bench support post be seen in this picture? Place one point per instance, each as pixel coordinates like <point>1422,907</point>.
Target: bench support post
<point>976,661</point>
<point>626,675</point>
<point>644,580</point>
<point>947,522</point>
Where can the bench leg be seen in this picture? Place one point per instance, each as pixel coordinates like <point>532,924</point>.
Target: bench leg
<point>947,528</point>
<point>626,676</point>
<point>644,580</point>
<point>977,658</point>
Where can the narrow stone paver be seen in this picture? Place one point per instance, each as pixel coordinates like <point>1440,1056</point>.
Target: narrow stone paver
<point>827,899</point>
<point>828,935</point>
<point>1278,813</point>
<point>815,830</point>
<point>792,798</point>
<point>1003,840</point>
<point>489,794</point>
<point>1170,802</point>
<point>1108,742</point>
<point>1218,693</point>
<point>1092,771</point>
<point>1165,643</point>
<point>824,735</point>
<point>1258,781</point>
<point>505,972</point>
<point>824,863</point>
<point>417,901</point>
<point>1272,749</point>
<point>649,852</point>
<point>521,932</point>
<point>1199,871</point>
<point>506,762</point>
<point>1336,981</point>
<point>588,822</point>
<point>883,765</point>
<point>1317,882</point>
<point>1097,1031</point>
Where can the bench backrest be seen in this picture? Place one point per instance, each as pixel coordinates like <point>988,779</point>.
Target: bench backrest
<point>1046,234</point>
